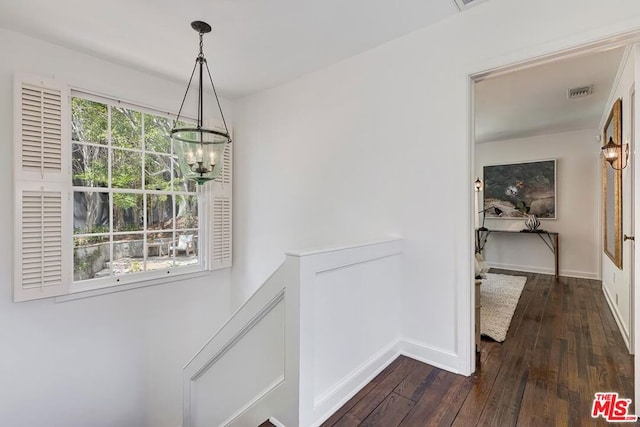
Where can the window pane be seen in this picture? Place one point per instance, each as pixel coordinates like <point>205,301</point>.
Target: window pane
<point>157,172</point>
<point>127,212</point>
<point>126,128</point>
<point>156,134</point>
<point>90,212</point>
<point>179,182</point>
<point>126,169</point>
<point>187,211</point>
<point>159,212</point>
<point>185,248</point>
<point>158,255</point>
<point>90,257</point>
<point>127,254</point>
<point>88,121</point>
<point>90,166</point>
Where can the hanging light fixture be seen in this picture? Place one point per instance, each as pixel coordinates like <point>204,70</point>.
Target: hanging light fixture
<point>612,152</point>
<point>200,149</point>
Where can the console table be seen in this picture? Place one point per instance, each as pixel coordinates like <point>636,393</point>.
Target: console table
<point>550,239</point>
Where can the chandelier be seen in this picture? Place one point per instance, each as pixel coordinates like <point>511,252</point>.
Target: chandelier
<point>200,149</point>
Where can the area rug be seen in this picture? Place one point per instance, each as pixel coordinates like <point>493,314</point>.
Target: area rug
<point>499,295</point>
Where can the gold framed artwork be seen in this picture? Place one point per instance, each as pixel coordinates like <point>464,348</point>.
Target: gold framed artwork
<point>612,189</point>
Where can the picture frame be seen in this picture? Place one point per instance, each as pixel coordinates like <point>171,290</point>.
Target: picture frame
<point>521,189</point>
<point>612,189</point>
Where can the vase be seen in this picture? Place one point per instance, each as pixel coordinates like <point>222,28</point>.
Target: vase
<point>532,222</point>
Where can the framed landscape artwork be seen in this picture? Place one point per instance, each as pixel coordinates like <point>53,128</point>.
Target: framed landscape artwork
<point>612,189</point>
<point>518,189</point>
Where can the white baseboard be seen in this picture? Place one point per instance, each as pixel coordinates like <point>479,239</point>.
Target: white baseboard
<point>361,376</point>
<point>545,270</point>
<point>616,315</point>
<point>429,355</point>
<point>330,401</point>
<point>275,422</point>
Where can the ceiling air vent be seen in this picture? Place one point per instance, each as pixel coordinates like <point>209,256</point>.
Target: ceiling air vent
<point>465,4</point>
<point>579,92</point>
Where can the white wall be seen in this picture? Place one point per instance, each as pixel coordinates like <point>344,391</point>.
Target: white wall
<point>577,205</point>
<point>113,360</point>
<point>379,143</point>
<point>616,283</point>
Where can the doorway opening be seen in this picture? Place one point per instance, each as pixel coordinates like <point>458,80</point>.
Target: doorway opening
<point>553,109</point>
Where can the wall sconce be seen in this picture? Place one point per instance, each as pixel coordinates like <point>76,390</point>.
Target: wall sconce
<point>613,152</point>
<point>478,185</point>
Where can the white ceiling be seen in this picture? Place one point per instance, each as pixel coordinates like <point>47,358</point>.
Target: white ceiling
<point>534,101</point>
<point>255,44</point>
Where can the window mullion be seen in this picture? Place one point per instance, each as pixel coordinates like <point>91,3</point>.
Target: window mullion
<point>110,186</point>
<point>145,252</point>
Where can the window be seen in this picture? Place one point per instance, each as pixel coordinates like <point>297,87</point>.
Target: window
<point>100,200</point>
<point>132,210</point>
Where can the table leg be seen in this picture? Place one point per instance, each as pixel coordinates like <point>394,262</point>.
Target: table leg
<point>557,254</point>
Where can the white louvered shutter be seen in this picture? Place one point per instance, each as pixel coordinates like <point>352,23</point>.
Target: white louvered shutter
<point>221,246</point>
<point>42,238</point>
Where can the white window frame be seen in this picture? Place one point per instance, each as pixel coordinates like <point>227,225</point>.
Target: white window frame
<point>203,230</point>
<point>212,255</point>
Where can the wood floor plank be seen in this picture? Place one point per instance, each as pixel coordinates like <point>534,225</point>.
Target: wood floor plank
<point>546,404</point>
<point>365,391</point>
<point>347,420</point>
<point>361,410</point>
<point>551,352</point>
<point>451,403</point>
<point>503,404</point>
<point>414,384</point>
<point>562,347</point>
<point>483,381</point>
<point>390,412</point>
<point>434,397</point>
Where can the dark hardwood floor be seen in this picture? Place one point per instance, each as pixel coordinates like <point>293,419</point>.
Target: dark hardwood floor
<point>563,345</point>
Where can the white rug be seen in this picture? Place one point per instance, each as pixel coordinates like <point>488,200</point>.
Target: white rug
<point>499,295</point>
